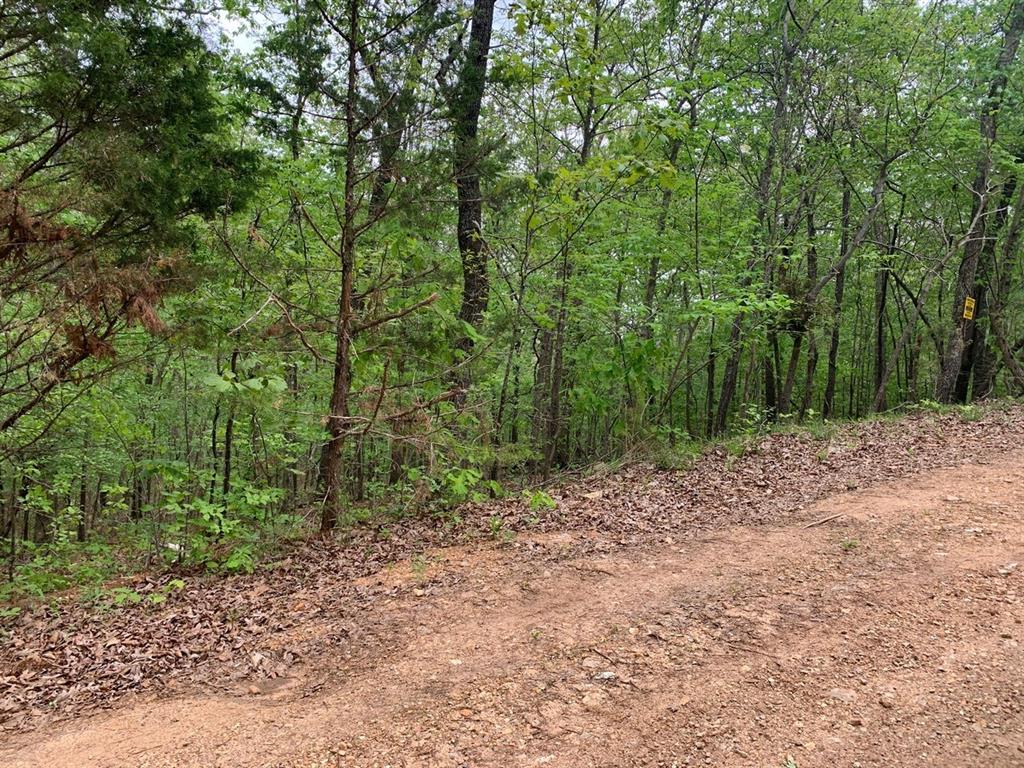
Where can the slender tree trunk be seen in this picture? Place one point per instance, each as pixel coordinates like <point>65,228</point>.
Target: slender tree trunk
<point>730,378</point>
<point>789,383</point>
<point>13,547</point>
<point>556,417</point>
<point>828,403</point>
<point>812,367</point>
<point>337,426</point>
<point>83,499</point>
<point>229,433</point>
<point>543,344</point>
<point>881,301</point>
<point>878,403</point>
<point>654,264</point>
<point>709,402</point>
<point>553,423</point>
<point>771,394</point>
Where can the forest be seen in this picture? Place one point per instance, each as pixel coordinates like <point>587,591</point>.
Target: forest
<point>277,268</point>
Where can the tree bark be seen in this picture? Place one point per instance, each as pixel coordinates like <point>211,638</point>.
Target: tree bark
<point>229,433</point>
<point>465,104</point>
<point>337,424</point>
<point>979,365</point>
<point>963,327</point>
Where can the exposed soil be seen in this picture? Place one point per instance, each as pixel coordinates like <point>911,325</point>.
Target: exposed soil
<point>879,626</point>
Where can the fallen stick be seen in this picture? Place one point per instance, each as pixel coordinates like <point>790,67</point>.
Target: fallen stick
<point>824,520</point>
<point>605,656</point>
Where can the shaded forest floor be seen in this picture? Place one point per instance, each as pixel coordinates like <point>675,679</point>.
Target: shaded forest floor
<point>853,600</point>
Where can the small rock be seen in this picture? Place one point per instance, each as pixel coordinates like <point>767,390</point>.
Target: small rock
<point>843,694</point>
<point>254,690</point>
<point>887,700</point>
<point>551,710</point>
<point>606,677</point>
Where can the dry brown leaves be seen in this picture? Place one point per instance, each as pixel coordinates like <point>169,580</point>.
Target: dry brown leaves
<point>57,661</point>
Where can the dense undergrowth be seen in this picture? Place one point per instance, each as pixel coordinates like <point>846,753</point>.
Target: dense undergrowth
<point>190,535</point>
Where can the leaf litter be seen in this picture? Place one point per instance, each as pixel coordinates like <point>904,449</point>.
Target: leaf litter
<point>59,660</point>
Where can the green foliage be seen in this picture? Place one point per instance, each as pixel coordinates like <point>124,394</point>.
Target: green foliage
<point>966,411</point>
<point>460,484</point>
<point>498,531</point>
<point>670,202</point>
<point>55,567</point>
<point>539,500</point>
<point>119,597</point>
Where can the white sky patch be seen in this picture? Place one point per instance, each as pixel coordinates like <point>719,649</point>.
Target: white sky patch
<point>237,33</point>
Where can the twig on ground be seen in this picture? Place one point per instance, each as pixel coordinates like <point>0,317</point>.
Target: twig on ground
<point>824,520</point>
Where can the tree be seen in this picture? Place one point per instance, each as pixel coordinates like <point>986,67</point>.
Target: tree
<point>465,99</point>
<point>958,348</point>
<point>113,137</point>
<point>392,257</point>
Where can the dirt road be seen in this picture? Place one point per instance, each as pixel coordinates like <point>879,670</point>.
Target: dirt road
<point>878,628</point>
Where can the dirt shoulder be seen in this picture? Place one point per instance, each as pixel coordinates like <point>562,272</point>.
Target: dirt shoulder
<point>877,627</point>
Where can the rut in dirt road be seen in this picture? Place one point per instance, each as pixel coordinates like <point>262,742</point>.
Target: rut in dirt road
<point>877,628</point>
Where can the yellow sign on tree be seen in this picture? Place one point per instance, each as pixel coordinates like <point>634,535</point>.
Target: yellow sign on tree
<point>968,308</point>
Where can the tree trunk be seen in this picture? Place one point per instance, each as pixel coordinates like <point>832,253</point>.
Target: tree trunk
<point>1010,254</point>
<point>337,425</point>
<point>764,190</point>
<point>465,105</point>
<point>730,378</point>
<point>812,367</point>
<point>828,402</point>
<point>981,359</point>
<point>963,326</point>
<point>709,402</point>
<point>789,383</point>
<point>553,422</point>
<point>229,433</point>
<point>879,399</point>
<point>881,302</point>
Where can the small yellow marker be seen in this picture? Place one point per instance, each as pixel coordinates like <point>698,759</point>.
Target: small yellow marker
<point>968,308</point>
